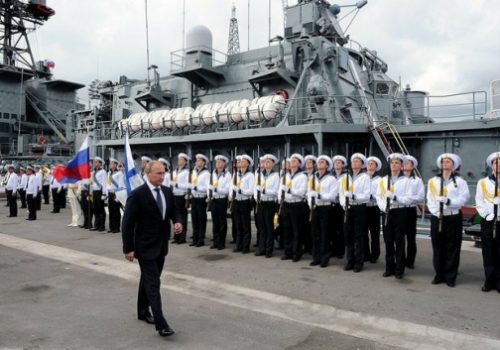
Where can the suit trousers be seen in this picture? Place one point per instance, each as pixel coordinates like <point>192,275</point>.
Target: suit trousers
<point>294,221</point>
<point>394,237</point>
<point>199,219</point>
<point>87,210</point>
<point>265,217</point>
<point>149,290</point>
<point>322,219</point>
<point>56,200</point>
<point>338,241</point>
<point>243,221</point>
<point>12,200</point>
<point>45,191</point>
<point>114,213</point>
<point>372,238</point>
<point>411,236</point>
<point>355,232</point>
<point>31,206</point>
<point>219,222</point>
<point>491,253</point>
<point>22,197</point>
<point>99,211</point>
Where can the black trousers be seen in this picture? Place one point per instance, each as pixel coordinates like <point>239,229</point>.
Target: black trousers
<point>491,253</point>
<point>62,198</point>
<point>199,219</point>
<point>294,221</point>
<point>394,237</point>
<point>22,197</point>
<point>45,191</point>
<point>87,209</point>
<point>56,200</point>
<point>372,238</point>
<point>355,232</point>
<point>338,242</point>
<point>99,211</point>
<point>308,235</point>
<point>31,201</point>
<point>180,203</point>
<point>38,201</point>
<point>243,225</point>
<point>219,222</point>
<point>12,201</point>
<point>446,246</point>
<point>411,236</point>
<point>115,216</point>
<point>265,217</point>
<point>321,227</point>
<point>149,290</point>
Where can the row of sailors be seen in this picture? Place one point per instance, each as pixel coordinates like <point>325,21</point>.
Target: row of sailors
<point>349,203</point>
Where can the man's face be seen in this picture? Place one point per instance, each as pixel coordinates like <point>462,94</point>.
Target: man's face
<point>447,164</point>
<point>408,167</point>
<point>112,166</point>
<point>356,164</point>
<point>310,165</point>
<point>338,165</point>
<point>396,165</point>
<point>220,164</point>
<point>322,165</point>
<point>200,163</point>
<point>97,164</point>
<point>181,162</point>
<point>268,163</point>
<point>156,174</point>
<point>294,163</point>
<point>372,166</point>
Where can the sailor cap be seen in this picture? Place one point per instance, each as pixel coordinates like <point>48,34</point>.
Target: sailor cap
<point>361,157</point>
<point>202,157</point>
<point>146,159</point>
<point>164,161</point>
<point>413,160</point>
<point>185,156</point>
<point>491,158</point>
<point>36,166</point>
<point>99,159</point>
<point>310,157</point>
<point>22,168</point>
<point>341,158</point>
<point>299,158</point>
<point>397,156</point>
<point>271,157</point>
<point>113,160</point>
<point>326,159</point>
<point>376,160</point>
<point>247,158</point>
<point>457,161</point>
<point>223,158</point>
<point>238,157</point>
<point>10,166</point>
<point>29,167</point>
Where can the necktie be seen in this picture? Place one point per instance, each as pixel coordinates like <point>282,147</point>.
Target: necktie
<point>158,201</point>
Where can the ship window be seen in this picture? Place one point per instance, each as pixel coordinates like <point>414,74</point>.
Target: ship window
<point>6,116</point>
<point>13,116</point>
<point>382,89</point>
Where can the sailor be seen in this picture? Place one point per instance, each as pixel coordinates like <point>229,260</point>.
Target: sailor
<point>144,163</point>
<point>45,178</point>
<point>310,169</point>
<point>267,197</point>
<point>200,180</point>
<point>21,187</point>
<point>86,203</point>
<point>99,195</point>
<point>112,185</point>
<point>258,183</point>
<point>353,199</point>
<point>233,188</point>
<point>294,209</point>
<point>444,203</point>
<point>243,205</point>
<point>221,182</point>
<point>55,188</point>
<point>372,238</point>
<point>11,181</point>
<point>323,191</point>
<point>338,245</point>
<point>417,197</point>
<point>166,164</point>
<point>40,175</point>
<point>393,197</point>
<point>487,202</point>
<point>180,186</point>
<point>31,193</point>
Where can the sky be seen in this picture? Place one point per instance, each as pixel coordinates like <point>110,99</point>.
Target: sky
<point>440,46</point>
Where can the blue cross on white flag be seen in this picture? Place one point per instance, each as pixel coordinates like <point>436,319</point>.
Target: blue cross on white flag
<point>132,179</point>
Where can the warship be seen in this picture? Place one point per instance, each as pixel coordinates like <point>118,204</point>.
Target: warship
<point>34,106</point>
<point>314,89</point>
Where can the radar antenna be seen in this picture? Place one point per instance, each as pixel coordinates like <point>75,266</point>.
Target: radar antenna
<point>233,46</point>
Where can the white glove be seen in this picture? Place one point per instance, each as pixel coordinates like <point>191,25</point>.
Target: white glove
<point>283,188</point>
<point>390,195</point>
<point>104,197</point>
<point>258,188</point>
<point>313,194</point>
<point>211,188</point>
<point>442,199</point>
<point>496,200</point>
<point>348,194</point>
<point>490,217</point>
<point>173,183</point>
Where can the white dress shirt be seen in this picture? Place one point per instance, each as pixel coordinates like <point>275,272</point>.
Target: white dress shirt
<point>417,190</point>
<point>245,186</point>
<point>155,194</point>
<point>222,183</point>
<point>485,192</point>
<point>296,185</point>
<point>359,185</point>
<point>456,191</point>
<point>181,178</point>
<point>270,186</point>
<point>32,186</point>
<point>12,182</point>
<point>200,180</point>
<point>327,188</point>
<point>400,186</point>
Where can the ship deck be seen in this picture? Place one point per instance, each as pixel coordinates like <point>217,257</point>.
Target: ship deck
<point>71,288</point>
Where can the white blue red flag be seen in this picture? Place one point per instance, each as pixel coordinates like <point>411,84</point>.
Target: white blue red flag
<point>77,168</point>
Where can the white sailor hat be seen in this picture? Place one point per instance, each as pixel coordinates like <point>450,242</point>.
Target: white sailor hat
<point>271,157</point>
<point>36,166</point>
<point>341,158</point>
<point>491,158</point>
<point>202,157</point>
<point>22,168</point>
<point>327,159</point>
<point>457,161</point>
<point>146,159</point>
<point>10,166</point>
<point>99,159</point>
<point>361,157</point>
<point>399,156</point>
<point>247,158</point>
<point>299,158</point>
<point>164,161</point>
<point>185,156</point>
<point>310,157</point>
<point>29,167</point>
<point>413,160</point>
<point>238,157</point>
<point>221,157</point>
<point>113,160</point>
<point>376,160</point>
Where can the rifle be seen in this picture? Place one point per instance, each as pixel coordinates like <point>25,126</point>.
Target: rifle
<point>388,203</point>
<point>171,167</point>
<point>283,182</point>
<point>313,200</point>
<point>441,204</point>
<point>189,191</point>
<point>211,192</point>
<point>346,212</point>
<point>235,183</point>
<point>495,206</point>
<point>257,200</point>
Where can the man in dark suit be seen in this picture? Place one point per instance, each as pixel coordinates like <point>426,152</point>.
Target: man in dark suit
<point>145,233</point>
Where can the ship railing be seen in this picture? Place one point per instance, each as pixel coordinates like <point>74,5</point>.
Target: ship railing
<point>178,57</point>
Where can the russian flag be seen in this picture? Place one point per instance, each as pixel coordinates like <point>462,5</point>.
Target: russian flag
<point>77,168</point>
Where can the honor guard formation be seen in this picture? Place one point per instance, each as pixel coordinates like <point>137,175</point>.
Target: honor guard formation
<point>325,206</point>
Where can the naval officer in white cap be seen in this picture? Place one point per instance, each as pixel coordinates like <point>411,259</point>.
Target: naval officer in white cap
<point>221,182</point>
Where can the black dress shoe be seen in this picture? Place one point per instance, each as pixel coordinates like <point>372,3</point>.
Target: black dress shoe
<point>258,254</point>
<point>314,263</point>
<point>398,276</point>
<point>181,242</point>
<point>192,244</point>
<point>387,274</point>
<point>450,284</point>
<point>147,318</point>
<point>245,251</point>
<point>348,268</point>
<point>485,288</point>
<point>269,255</point>
<point>213,247</point>
<point>357,269</point>
<point>232,242</point>
<point>323,265</point>
<point>284,257</point>
<point>437,280</point>
<point>93,229</point>
<point>101,230</point>
<point>236,250</point>
<point>410,266</point>
<point>200,244</point>
<point>166,332</point>
<point>110,231</point>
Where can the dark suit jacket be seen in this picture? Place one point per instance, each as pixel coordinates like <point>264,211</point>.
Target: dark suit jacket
<point>144,231</point>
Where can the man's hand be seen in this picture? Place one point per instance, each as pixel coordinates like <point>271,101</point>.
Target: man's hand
<point>177,228</point>
<point>129,256</point>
